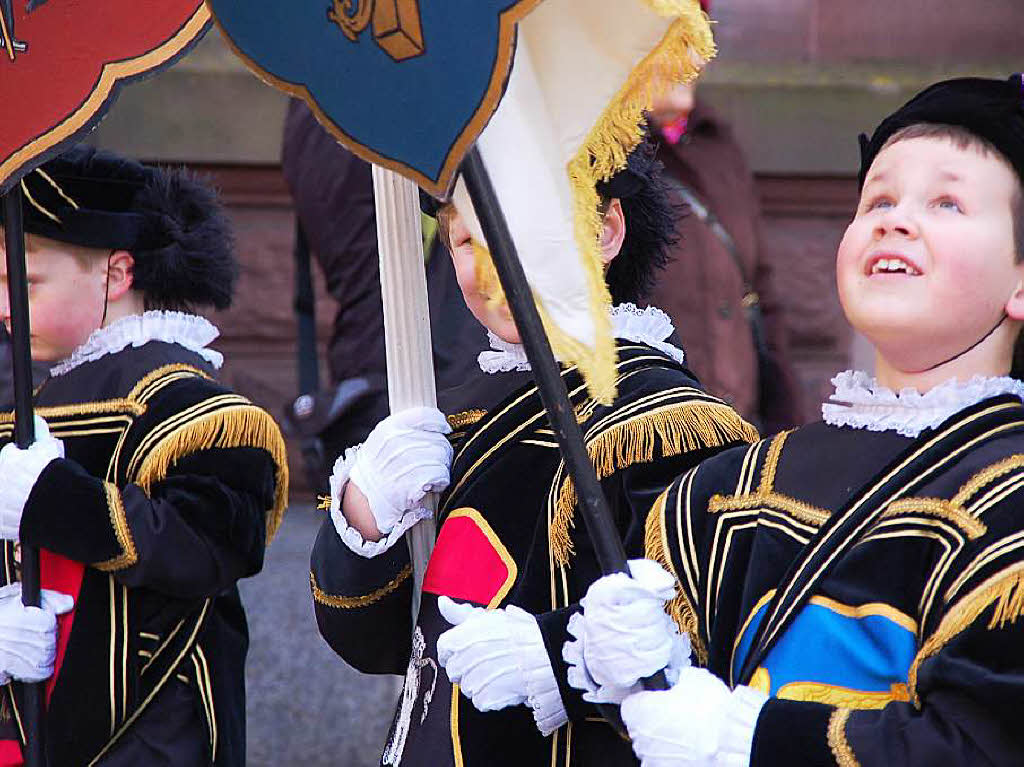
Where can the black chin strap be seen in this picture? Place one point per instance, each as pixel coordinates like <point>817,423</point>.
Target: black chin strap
<point>106,291</point>
<point>995,327</point>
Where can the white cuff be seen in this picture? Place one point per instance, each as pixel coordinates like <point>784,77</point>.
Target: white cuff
<point>738,729</point>
<point>542,693</point>
<point>351,537</point>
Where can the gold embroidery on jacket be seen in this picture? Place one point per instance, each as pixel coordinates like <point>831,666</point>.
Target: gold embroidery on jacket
<point>837,739</point>
<point>119,521</point>
<point>349,603</point>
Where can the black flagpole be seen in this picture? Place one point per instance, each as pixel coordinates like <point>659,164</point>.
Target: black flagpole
<point>24,435</point>
<point>611,556</point>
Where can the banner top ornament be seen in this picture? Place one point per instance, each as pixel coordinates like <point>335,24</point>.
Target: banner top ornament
<point>404,84</point>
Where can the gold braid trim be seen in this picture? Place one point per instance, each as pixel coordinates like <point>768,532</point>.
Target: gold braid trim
<point>349,603</point>
<point>679,607</point>
<point>1004,589</point>
<point>119,521</point>
<point>465,419</point>
<point>139,393</point>
<point>233,426</point>
<point>837,739</point>
<point>677,429</point>
<point>678,57</point>
<point>985,477</point>
<point>940,509</point>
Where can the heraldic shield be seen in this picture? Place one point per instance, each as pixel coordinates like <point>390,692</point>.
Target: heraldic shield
<point>63,61</point>
<point>406,84</point>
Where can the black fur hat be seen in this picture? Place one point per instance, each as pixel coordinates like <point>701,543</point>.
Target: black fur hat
<point>991,109</point>
<point>170,221</point>
<point>650,223</point>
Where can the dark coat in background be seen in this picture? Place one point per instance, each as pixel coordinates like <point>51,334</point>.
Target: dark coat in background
<point>333,194</point>
<point>702,289</point>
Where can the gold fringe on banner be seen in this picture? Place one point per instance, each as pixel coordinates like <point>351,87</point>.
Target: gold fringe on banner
<point>679,607</point>
<point>686,46</point>
<point>674,430</point>
<point>1005,590</point>
<point>234,426</point>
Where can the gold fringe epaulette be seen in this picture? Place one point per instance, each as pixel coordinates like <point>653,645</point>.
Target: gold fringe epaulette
<point>233,426</point>
<point>1005,590</point>
<point>679,607</point>
<point>675,429</point>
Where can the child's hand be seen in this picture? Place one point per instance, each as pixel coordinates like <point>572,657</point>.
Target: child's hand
<point>624,633</point>
<point>19,470</point>
<point>28,635</point>
<point>405,457</point>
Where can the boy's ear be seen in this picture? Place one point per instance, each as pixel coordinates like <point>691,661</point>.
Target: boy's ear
<point>120,274</point>
<point>613,231</point>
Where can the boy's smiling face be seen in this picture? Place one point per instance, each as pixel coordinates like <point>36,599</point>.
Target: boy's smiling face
<point>928,265</point>
<point>66,291</point>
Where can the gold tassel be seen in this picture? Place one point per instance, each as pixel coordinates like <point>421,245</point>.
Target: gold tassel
<point>1005,590</point>
<point>678,429</point>
<point>679,607</point>
<point>235,426</point>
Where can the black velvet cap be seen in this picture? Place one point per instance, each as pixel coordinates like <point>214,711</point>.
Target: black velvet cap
<point>990,109</point>
<point>171,222</point>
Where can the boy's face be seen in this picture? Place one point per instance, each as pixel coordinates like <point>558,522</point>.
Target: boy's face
<point>65,296</point>
<point>496,318</point>
<point>927,266</point>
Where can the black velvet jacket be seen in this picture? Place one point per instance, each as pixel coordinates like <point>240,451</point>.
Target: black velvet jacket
<point>508,536</point>
<point>870,583</point>
<point>170,487</point>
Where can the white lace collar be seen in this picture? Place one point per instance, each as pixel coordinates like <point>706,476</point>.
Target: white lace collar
<point>859,401</point>
<point>189,330</point>
<point>649,325</point>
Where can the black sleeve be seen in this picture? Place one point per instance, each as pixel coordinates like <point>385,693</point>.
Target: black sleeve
<point>363,605</point>
<point>191,535</point>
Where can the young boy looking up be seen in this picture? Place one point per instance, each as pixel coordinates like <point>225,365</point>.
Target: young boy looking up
<point>158,489</point>
<point>858,582</point>
<point>508,539</point>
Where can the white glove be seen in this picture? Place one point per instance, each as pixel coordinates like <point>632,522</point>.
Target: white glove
<point>697,723</point>
<point>28,635</point>
<point>405,457</point>
<point>624,634</point>
<point>19,470</point>
<point>498,659</point>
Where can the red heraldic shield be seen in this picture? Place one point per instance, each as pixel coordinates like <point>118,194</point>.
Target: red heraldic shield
<point>62,63</point>
<point>469,562</point>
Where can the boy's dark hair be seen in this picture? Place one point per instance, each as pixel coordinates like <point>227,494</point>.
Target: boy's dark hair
<point>650,218</point>
<point>962,138</point>
<point>168,219</point>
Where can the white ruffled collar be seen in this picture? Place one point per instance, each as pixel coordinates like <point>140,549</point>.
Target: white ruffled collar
<point>193,332</point>
<point>649,325</point>
<point>860,402</point>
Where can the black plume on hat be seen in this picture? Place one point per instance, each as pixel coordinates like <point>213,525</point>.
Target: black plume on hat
<point>171,222</point>
<point>991,109</point>
<point>650,223</point>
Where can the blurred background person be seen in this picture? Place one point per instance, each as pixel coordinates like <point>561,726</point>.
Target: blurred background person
<point>718,287</point>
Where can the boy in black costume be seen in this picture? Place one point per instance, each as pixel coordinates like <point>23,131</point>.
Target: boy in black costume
<point>154,488</point>
<point>858,583</point>
<point>508,540</point>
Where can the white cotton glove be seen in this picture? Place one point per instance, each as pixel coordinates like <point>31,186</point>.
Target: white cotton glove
<point>697,723</point>
<point>624,634</point>
<point>480,656</point>
<point>28,635</point>
<point>405,457</point>
<point>19,470</point>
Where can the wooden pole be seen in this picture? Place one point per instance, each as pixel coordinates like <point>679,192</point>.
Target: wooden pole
<point>403,287</point>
